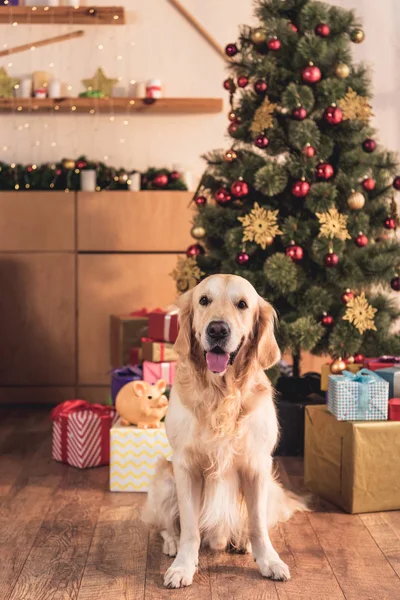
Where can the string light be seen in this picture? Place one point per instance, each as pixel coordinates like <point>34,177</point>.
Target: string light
<point>46,8</point>
<point>51,65</point>
<point>9,64</point>
<point>53,144</point>
<point>34,167</point>
<point>19,108</point>
<point>112,118</point>
<point>34,8</point>
<point>12,165</point>
<point>57,107</point>
<point>126,122</point>
<point>52,185</point>
<point>77,171</point>
<point>27,186</point>
<point>92,111</point>
<point>16,186</point>
<point>98,188</point>
<point>32,48</point>
<point>115,17</point>
<point>15,24</point>
<point>5,148</point>
<point>16,86</point>
<point>105,157</point>
<point>122,141</point>
<point>100,46</point>
<point>132,102</point>
<point>119,57</point>
<point>26,125</point>
<point>73,108</point>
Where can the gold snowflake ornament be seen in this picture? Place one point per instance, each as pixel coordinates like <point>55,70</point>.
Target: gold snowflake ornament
<point>354,106</point>
<point>360,313</point>
<point>333,225</point>
<point>187,274</point>
<point>260,226</point>
<point>263,117</point>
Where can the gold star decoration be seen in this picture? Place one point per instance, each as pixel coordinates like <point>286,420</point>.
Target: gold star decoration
<point>7,84</point>
<point>333,225</point>
<point>100,82</point>
<point>260,226</point>
<point>354,106</point>
<point>187,274</point>
<point>360,313</point>
<point>263,117</point>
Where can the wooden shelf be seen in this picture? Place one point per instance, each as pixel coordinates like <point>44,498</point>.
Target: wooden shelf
<point>81,15</point>
<point>112,105</point>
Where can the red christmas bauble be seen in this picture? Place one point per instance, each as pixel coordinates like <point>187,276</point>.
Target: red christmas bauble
<point>300,189</point>
<point>229,84</point>
<point>390,223</point>
<point>295,252</point>
<point>58,172</point>
<point>200,200</point>
<point>395,284</point>
<point>311,74</point>
<point>327,320</point>
<point>194,250</point>
<point>160,180</point>
<point>331,260</point>
<point>346,296</point>
<point>323,30</point>
<point>239,188</point>
<point>231,50</point>
<point>333,115</point>
<point>81,164</point>
<point>293,27</point>
<point>260,86</point>
<point>261,141</point>
<point>368,184</point>
<point>361,240</point>
<point>242,258</point>
<point>359,358</point>
<point>242,81</point>
<point>174,176</point>
<point>274,44</point>
<point>222,196</point>
<point>396,183</point>
<point>299,113</point>
<point>309,151</point>
<point>232,129</point>
<point>369,145</point>
<point>324,171</point>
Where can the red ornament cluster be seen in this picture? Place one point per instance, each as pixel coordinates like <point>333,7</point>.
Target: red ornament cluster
<point>160,180</point>
<point>231,50</point>
<point>323,30</point>
<point>331,260</point>
<point>390,223</point>
<point>308,151</point>
<point>222,196</point>
<point>369,145</point>
<point>295,252</point>
<point>327,320</point>
<point>347,296</point>
<point>261,141</point>
<point>333,115</point>
<point>395,284</point>
<point>299,113</point>
<point>359,358</point>
<point>200,200</point>
<point>260,86</point>
<point>361,240</point>
<point>324,171</point>
<point>274,44</point>
<point>242,81</point>
<point>242,258</point>
<point>396,183</point>
<point>194,250</point>
<point>239,188</point>
<point>369,184</point>
<point>229,85</point>
<point>311,74</point>
<point>300,188</point>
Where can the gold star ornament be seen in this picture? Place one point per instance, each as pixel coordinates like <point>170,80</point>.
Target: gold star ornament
<point>7,84</point>
<point>187,274</point>
<point>333,225</point>
<point>100,82</point>
<point>354,106</point>
<point>260,226</point>
<point>263,117</point>
<point>360,313</point>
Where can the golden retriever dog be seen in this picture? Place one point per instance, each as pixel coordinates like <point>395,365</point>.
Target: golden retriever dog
<point>221,423</point>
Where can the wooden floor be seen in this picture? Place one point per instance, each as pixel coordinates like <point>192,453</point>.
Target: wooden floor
<point>64,536</point>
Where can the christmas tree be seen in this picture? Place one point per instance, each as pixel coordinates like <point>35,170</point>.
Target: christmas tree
<point>302,202</point>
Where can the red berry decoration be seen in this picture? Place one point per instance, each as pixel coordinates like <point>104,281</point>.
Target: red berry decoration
<point>261,141</point>
<point>331,260</point>
<point>260,86</point>
<point>333,115</point>
<point>395,284</point>
<point>308,151</point>
<point>174,175</point>
<point>324,171</point>
<point>160,180</point>
<point>369,145</point>
<point>239,188</point>
<point>300,189</point>
<point>361,240</point>
<point>274,44</point>
<point>232,129</point>
<point>222,196</point>
<point>200,200</point>
<point>194,250</point>
<point>346,296</point>
<point>295,252</point>
<point>327,320</point>
<point>359,358</point>
<point>242,258</point>
<point>396,183</point>
<point>229,84</point>
<point>299,113</point>
<point>231,50</point>
<point>242,81</point>
<point>390,223</point>
<point>323,30</point>
<point>311,74</point>
<point>369,184</point>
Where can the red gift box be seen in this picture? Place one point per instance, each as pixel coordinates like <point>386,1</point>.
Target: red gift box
<point>394,409</point>
<point>163,326</point>
<point>81,433</point>
<point>383,362</point>
<point>135,356</point>
<point>153,371</point>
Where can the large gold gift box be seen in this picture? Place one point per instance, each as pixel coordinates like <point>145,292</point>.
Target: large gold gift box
<point>353,464</point>
<point>326,371</point>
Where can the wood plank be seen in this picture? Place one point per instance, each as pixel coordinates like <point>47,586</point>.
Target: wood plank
<point>385,529</point>
<point>70,15</point>
<point>37,316</point>
<point>115,283</point>
<point>134,221</point>
<point>36,395</point>
<point>47,223</point>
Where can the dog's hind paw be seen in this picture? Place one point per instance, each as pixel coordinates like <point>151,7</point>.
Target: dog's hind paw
<point>177,577</point>
<point>274,569</point>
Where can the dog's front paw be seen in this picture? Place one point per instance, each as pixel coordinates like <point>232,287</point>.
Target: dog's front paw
<point>179,575</point>
<point>274,569</point>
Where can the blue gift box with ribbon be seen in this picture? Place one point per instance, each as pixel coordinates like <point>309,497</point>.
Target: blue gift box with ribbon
<point>361,396</point>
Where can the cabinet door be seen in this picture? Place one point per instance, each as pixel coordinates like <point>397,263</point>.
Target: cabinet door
<point>37,319</point>
<point>115,283</point>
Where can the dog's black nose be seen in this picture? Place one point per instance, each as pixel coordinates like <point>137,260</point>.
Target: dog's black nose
<point>218,330</point>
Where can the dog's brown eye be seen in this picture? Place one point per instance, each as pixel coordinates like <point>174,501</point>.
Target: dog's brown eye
<point>242,304</point>
<point>204,301</point>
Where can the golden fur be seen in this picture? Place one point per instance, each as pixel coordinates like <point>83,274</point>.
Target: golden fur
<point>222,428</point>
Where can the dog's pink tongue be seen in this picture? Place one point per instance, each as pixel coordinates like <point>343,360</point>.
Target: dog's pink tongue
<point>217,362</point>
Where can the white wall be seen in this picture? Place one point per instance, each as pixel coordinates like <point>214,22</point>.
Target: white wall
<point>158,42</point>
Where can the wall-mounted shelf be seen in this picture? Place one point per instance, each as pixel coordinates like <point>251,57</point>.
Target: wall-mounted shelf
<point>112,105</point>
<point>69,15</point>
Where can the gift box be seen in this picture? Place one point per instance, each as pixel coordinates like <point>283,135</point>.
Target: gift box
<point>383,362</point>
<point>361,396</point>
<point>126,332</point>
<point>153,371</point>
<point>163,326</point>
<point>326,371</point>
<point>81,433</point>
<point>392,376</point>
<point>120,377</point>
<point>135,356</point>
<point>394,409</point>
<point>134,455</point>
<point>158,351</point>
<point>351,463</point>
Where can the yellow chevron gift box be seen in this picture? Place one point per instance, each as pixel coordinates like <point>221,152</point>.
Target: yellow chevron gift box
<point>134,453</point>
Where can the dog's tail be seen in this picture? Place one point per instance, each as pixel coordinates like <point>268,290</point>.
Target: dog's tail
<point>282,503</point>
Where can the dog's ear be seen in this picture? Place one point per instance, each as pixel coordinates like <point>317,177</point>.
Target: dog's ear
<point>268,351</point>
<point>183,341</point>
